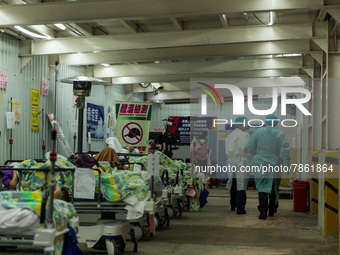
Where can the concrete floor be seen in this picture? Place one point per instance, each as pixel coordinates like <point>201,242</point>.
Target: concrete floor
<point>217,230</point>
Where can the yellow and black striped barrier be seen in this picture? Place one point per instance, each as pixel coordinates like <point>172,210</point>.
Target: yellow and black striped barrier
<point>331,186</point>
<point>314,185</point>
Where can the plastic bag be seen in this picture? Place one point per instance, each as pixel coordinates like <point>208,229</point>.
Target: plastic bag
<point>203,197</point>
<point>70,243</point>
<point>114,144</point>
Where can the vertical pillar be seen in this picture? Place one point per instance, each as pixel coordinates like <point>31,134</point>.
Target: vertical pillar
<point>333,102</point>
<point>331,184</point>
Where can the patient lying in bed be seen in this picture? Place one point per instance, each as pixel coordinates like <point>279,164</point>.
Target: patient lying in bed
<point>20,210</point>
<point>10,179</point>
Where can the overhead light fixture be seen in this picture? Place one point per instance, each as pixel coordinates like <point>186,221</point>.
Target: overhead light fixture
<point>292,55</point>
<point>288,55</point>
<point>32,33</point>
<point>61,26</point>
<point>271,18</point>
<point>104,64</point>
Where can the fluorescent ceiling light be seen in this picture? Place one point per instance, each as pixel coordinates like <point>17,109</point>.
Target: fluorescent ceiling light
<point>288,55</point>
<point>32,33</point>
<point>104,64</point>
<point>61,26</point>
<point>292,55</point>
<point>271,18</point>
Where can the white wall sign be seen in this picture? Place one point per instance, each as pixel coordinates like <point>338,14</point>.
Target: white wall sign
<point>10,120</point>
<point>153,164</point>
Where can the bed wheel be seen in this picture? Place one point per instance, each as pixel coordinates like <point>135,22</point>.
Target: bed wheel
<point>171,212</point>
<point>111,247</point>
<point>157,221</point>
<point>138,232</point>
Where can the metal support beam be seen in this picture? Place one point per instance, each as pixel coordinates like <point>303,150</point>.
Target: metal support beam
<point>241,83</point>
<point>168,86</point>
<point>14,2</point>
<point>224,20</point>
<point>130,25</point>
<point>171,39</point>
<point>197,67</point>
<point>309,71</point>
<point>195,52</point>
<point>322,43</point>
<point>178,23</point>
<point>78,12</point>
<point>172,95</point>
<point>317,55</point>
<point>24,61</point>
<point>187,77</point>
<point>335,13</point>
<point>44,30</point>
<point>80,29</point>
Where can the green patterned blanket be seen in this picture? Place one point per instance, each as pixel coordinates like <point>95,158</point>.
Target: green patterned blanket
<point>115,184</point>
<point>31,200</point>
<point>166,163</point>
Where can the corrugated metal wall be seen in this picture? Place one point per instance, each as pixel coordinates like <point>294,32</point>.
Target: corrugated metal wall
<point>9,63</point>
<point>27,143</point>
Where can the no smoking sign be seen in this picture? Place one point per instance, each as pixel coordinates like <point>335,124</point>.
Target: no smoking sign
<point>132,133</point>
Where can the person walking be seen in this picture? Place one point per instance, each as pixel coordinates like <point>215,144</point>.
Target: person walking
<point>236,148</point>
<point>270,148</point>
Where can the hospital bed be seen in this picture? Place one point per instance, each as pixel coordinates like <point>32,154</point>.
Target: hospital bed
<point>20,209</point>
<point>151,214</point>
<point>99,227</point>
<point>105,233</point>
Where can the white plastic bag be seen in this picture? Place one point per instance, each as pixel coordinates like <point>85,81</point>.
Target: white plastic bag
<point>113,143</point>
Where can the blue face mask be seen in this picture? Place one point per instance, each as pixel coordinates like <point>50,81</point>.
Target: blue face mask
<point>246,128</point>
